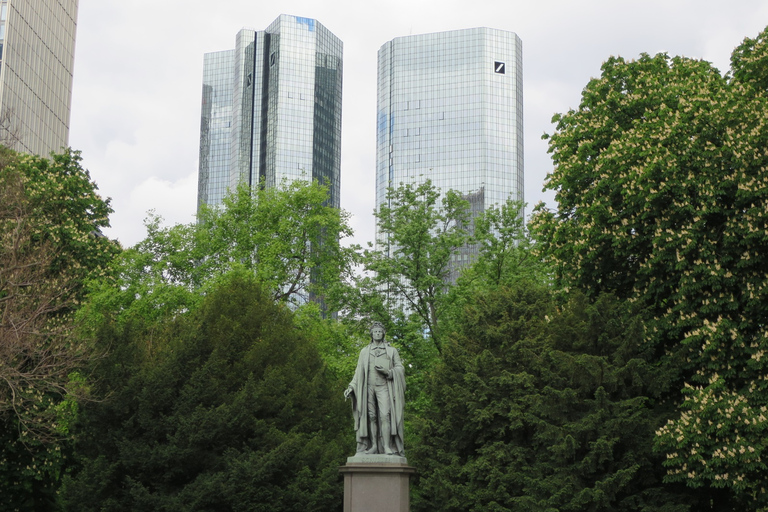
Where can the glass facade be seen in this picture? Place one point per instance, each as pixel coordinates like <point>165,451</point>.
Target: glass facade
<point>450,109</point>
<point>216,122</point>
<point>272,109</point>
<point>37,52</point>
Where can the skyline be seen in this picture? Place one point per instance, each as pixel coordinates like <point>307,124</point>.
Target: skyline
<point>136,98</point>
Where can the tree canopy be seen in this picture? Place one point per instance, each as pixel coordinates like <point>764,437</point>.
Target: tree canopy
<point>215,394</point>
<point>418,231</point>
<point>227,406</point>
<point>538,407</point>
<point>660,178</point>
<point>288,237</point>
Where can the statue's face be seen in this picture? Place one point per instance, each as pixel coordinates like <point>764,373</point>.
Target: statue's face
<point>377,333</point>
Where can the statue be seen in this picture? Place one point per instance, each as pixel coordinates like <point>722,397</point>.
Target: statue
<point>378,392</point>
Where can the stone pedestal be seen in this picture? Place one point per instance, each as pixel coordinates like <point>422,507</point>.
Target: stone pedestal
<point>377,483</point>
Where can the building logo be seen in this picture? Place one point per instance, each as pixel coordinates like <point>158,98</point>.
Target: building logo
<point>498,67</point>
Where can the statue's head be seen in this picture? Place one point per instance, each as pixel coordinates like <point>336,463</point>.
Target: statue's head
<point>377,331</point>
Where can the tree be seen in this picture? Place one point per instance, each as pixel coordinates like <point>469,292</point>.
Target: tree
<point>504,246</point>
<point>660,178</point>
<point>505,254</point>
<point>418,231</point>
<point>537,407</point>
<point>249,446</point>
<point>50,246</point>
<point>288,235</point>
<point>10,133</point>
<point>229,407</point>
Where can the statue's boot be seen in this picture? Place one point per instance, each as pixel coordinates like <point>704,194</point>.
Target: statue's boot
<point>373,431</point>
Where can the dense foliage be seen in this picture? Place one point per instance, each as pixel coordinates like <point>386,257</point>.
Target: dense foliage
<point>505,257</point>
<point>225,407</point>
<point>504,254</point>
<point>661,179</point>
<point>542,408</point>
<point>288,237</point>
<point>50,246</point>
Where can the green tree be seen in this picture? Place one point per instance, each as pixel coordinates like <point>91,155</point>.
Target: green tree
<point>50,246</point>
<point>288,235</point>
<point>287,238</point>
<point>540,408</point>
<point>418,232</point>
<point>660,178</point>
<point>505,256</point>
<point>504,247</point>
<point>228,407</point>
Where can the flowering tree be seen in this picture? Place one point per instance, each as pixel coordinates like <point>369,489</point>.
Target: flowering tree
<point>50,216</point>
<point>662,188</point>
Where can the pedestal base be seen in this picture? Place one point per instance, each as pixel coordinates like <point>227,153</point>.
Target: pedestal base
<point>377,483</point>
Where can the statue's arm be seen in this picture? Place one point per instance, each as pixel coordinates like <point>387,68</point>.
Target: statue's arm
<point>397,365</point>
<point>351,386</point>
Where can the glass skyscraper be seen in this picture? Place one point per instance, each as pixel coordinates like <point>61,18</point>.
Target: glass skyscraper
<point>37,53</point>
<point>271,110</point>
<point>450,109</point>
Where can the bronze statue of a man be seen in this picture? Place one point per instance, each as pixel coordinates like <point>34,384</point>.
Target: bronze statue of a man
<point>378,392</point>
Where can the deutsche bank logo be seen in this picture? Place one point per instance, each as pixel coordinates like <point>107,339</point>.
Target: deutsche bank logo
<point>498,67</point>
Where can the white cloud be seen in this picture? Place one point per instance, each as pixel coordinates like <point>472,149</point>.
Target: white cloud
<point>174,201</point>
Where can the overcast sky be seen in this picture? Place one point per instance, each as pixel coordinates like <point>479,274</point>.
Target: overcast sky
<point>138,78</point>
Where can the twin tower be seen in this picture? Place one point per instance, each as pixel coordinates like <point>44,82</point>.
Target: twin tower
<point>449,109</point>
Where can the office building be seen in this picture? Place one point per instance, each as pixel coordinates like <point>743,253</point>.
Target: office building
<point>37,52</point>
<point>271,110</point>
<point>450,109</point>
